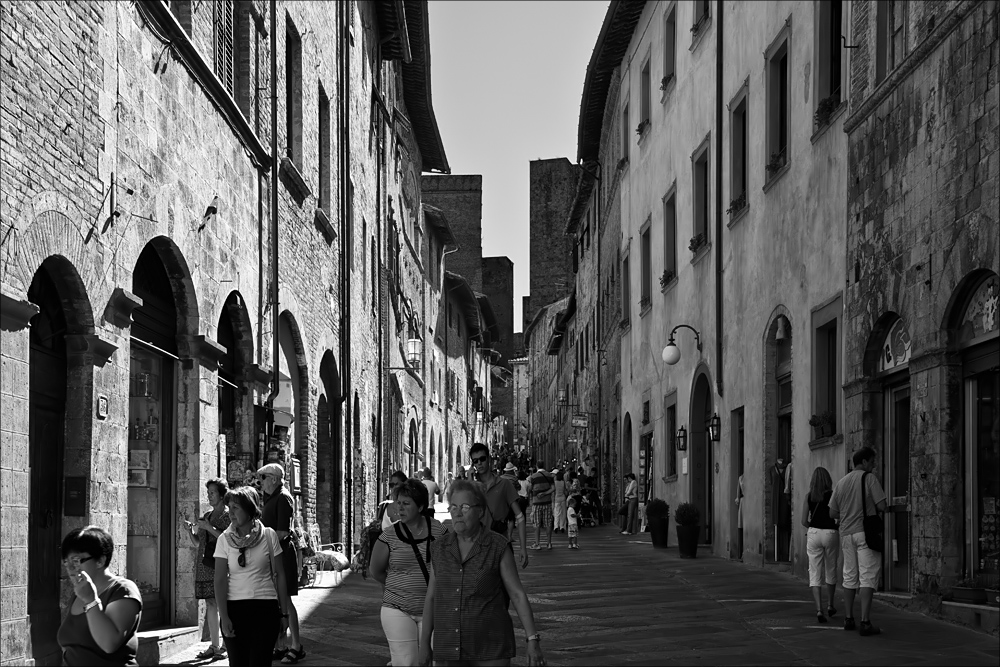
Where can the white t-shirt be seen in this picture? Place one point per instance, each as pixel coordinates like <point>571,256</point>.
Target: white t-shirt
<point>253,581</point>
<point>570,516</point>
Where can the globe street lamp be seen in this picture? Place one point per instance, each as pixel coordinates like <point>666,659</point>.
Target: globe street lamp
<point>671,353</point>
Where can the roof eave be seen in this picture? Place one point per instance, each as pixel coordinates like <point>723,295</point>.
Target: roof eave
<point>417,89</point>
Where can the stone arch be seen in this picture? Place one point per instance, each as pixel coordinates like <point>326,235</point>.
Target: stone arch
<point>235,401</point>
<point>55,232</point>
<point>958,302</point>
<point>329,452</point>
<point>58,384</point>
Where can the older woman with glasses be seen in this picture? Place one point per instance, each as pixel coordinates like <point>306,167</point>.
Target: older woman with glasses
<point>472,576</point>
<point>250,605</point>
<point>103,617</point>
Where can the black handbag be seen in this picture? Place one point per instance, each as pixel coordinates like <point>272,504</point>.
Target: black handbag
<point>623,511</point>
<point>873,524</point>
<point>208,558</point>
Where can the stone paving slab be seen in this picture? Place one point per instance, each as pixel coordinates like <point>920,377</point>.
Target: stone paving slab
<point>618,601</point>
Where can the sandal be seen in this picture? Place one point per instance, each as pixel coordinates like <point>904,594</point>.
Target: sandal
<point>292,656</point>
<point>210,652</point>
<point>277,654</point>
<point>831,611</point>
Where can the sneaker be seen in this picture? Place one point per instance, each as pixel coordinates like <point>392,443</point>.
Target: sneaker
<point>820,618</point>
<point>867,629</point>
<point>849,623</point>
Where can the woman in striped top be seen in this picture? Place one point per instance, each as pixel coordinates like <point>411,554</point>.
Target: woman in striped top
<point>400,562</point>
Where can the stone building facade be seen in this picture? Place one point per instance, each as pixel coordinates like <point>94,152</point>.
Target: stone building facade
<point>921,328</point>
<point>145,349</point>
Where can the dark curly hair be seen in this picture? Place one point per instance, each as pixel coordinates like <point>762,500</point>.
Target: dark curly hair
<point>415,491</point>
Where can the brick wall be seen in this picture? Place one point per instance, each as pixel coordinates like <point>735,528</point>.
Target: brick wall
<point>460,198</point>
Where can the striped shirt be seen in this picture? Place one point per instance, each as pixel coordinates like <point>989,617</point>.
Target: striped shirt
<point>471,622</point>
<point>405,587</point>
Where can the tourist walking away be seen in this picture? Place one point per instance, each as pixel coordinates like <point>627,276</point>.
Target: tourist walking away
<point>276,513</point>
<point>205,533</point>
<point>400,562</point>
<point>473,576</point>
<point>510,474</point>
<point>632,502</point>
<point>572,524</point>
<point>858,495</point>
<point>501,498</point>
<point>822,541</point>
<point>433,490</point>
<point>558,502</point>
<point>250,582</point>
<point>540,491</point>
<point>104,612</point>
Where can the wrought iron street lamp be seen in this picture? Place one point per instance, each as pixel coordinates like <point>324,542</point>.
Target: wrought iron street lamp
<point>671,353</point>
<point>682,439</point>
<point>714,425</point>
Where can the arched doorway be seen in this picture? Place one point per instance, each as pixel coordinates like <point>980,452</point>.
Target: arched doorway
<point>777,381</point>
<point>152,437</point>
<point>413,442</point>
<point>701,455</point>
<point>329,453</point>
<point>46,432</point>
<point>626,454</point>
<point>235,406</point>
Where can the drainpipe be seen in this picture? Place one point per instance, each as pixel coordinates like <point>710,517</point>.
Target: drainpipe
<point>718,199</point>
<point>275,343</point>
<point>346,204</point>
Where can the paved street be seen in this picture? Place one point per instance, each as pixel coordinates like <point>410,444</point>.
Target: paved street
<point>617,601</point>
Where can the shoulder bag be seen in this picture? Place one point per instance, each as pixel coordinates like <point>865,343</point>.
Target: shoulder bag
<point>400,529</point>
<point>872,523</point>
<point>208,558</point>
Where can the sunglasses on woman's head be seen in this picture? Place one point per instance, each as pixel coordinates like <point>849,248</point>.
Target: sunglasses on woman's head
<point>242,560</point>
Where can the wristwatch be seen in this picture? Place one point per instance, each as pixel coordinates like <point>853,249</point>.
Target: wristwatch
<point>90,605</point>
<point>537,637</point>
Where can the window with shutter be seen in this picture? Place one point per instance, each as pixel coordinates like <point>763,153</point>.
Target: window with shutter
<point>225,23</point>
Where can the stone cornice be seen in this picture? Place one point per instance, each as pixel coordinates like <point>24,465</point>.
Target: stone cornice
<point>915,57</point>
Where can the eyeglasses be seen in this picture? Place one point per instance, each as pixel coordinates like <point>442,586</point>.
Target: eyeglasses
<point>242,560</point>
<point>480,459</point>
<point>76,561</point>
<point>464,507</point>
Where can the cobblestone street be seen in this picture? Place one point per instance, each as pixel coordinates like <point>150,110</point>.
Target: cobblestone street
<point>618,601</point>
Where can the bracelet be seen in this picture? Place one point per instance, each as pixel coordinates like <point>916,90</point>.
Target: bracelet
<point>536,637</point>
<point>90,605</point>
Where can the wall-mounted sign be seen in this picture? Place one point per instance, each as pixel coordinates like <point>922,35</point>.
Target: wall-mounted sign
<point>102,406</point>
<point>580,421</point>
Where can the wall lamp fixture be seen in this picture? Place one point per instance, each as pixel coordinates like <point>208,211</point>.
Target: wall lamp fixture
<point>671,353</point>
<point>682,439</point>
<point>714,425</point>
<point>412,356</point>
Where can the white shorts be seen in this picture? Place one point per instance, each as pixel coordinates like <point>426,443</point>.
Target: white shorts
<point>822,546</point>
<point>860,563</point>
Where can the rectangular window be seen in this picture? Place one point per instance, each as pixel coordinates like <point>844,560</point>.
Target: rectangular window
<point>671,427</point>
<point>626,292</point>
<point>700,11</point>
<point>670,235</point>
<point>826,376</point>
<point>701,196</point>
<point>777,109</point>
<point>669,48</point>
<point>738,186</point>
<point>897,36</point>
<point>324,151</point>
<point>293,92</point>
<point>223,35</point>
<point>881,39</point>
<point>625,131</point>
<point>646,258</point>
<point>829,29</point>
<point>645,84</point>
<point>349,242</point>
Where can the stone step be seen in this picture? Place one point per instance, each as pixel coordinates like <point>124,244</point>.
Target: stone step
<point>156,646</point>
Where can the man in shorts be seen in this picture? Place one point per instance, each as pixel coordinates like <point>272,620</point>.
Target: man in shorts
<point>277,514</point>
<point>862,564</point>
<point>541,489</point>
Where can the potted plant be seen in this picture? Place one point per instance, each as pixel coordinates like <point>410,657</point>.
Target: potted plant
<point>969,590</point>
<point>688,521</point>
<point>621,163</point>
<point>776,162</point>
<point>737,205</point>
<point>825,109</point>
<point>642,127</point>
<point>658,520</point>
<point>823,424</point>
<point>665,81</point>
<point>666,277</point>
<point>697,241</point>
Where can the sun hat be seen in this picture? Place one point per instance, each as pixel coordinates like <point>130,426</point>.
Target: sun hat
<point>510,467</point>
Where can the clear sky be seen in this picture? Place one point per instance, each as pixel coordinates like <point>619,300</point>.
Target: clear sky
<point>507,78</point>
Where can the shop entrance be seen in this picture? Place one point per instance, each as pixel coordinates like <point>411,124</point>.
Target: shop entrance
<point>702,460</point>
<point>46,433</point>
<point>897,466</point>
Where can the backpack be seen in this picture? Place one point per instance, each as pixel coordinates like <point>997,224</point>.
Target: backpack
<point>369,535</point>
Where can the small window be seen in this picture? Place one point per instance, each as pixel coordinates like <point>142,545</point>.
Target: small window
<point>828,76</point>
<point>777,110</point>
<point>700,11</point>
<point>827,370</point>
<point>626,292</point>
<point>324,151</point>
<point>645,92</point>
<point>738,174</point>
<point>625,132</point>
<point>293,92</point>
<point>701,199</point>
<point>671,426</point>
<point>181,9</point>
<point>646,286</point>
<point>670,236</point>
<point>669,48</point>
<point>223,34</point>
<point>374,276</point>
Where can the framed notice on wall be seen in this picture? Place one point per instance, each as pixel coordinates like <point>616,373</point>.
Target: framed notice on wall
<point>296,475</point>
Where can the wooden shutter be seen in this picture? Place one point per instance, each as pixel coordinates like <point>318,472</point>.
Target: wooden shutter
<point>224,21</point>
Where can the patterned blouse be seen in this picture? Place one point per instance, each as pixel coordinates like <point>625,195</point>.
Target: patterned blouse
<point>471,622</point>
